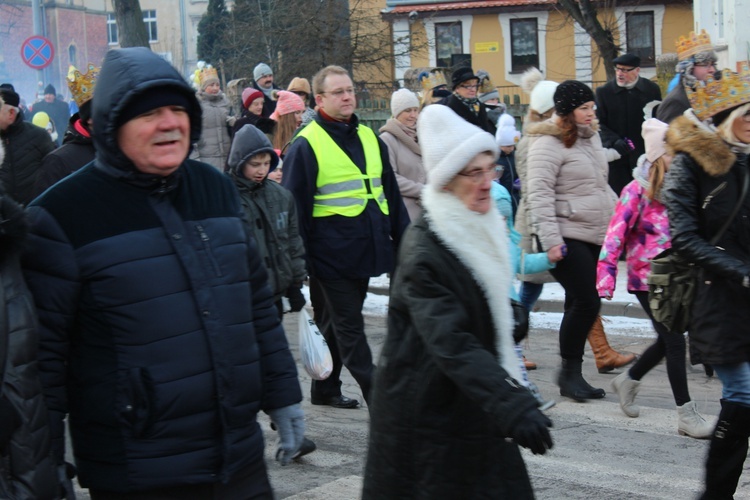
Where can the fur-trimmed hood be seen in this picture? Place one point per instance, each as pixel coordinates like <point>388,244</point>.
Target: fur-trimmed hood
<point>688,135</point>
<point>550,127</point>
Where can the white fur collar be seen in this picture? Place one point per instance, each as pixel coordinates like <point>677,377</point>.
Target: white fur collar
<point>481,244</point>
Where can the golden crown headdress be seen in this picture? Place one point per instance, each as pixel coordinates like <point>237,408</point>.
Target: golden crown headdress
<point>714,96</point>
<point>82,86</point>
<point>693,44</point>
<point>431,79</point>
<point>207,73</point>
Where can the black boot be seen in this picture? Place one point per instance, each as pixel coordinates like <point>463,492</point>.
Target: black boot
<point>572,384</point>
<point>727,452</point>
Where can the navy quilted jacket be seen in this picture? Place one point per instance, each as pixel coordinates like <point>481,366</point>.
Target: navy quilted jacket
<point>159,336</point>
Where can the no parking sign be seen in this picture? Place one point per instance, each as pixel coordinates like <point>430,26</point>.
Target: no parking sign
<point>37,52</point>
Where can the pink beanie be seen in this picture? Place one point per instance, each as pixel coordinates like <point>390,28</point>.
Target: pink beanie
<point>249,95</point>
<point>653,132</point>
<point>286,103</point>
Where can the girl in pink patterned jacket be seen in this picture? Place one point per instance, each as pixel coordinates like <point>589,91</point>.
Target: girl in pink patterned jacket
<point>640,227</point>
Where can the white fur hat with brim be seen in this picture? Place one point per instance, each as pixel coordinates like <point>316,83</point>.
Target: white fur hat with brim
<point>449,143</point>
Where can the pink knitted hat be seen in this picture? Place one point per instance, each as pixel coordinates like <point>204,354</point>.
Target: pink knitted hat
<point>286,103</point>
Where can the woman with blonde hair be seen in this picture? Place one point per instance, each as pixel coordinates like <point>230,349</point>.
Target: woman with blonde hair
<point>288,116</point>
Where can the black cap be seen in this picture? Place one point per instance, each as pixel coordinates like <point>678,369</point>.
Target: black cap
<point>9,95</point>
<point>49,89</point>
<point>628,60</point>
<point>152,98</point>
<point>461,75</point>
<point>569,95</point>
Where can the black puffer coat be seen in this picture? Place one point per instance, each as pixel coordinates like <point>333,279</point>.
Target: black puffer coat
<point>159,335</point>
<point>27,468</point>
<point>700,191</point>
<point>26,145</point>
<point>444,406</point>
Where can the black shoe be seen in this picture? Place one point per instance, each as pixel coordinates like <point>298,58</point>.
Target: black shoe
<point>339,401</point>
<point>308,446</point>
<point>572,384</point>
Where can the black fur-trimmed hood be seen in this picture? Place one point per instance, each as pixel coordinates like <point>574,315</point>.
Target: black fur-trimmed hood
<point>689,136</point>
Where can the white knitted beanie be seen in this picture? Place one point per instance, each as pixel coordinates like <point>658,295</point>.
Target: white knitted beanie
<point>541,91</point>
<point>403,99</point>
<point>449,143</point>
<point>654,132</point>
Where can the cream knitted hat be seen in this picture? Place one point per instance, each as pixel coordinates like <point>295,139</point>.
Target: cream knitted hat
<point>653,132</point>
<point>541,91</point>
<point>261,70</point>
<point>449,143</point>
<point>403,99</point>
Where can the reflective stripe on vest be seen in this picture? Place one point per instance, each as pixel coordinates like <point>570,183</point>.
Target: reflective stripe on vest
<point>340,187</point>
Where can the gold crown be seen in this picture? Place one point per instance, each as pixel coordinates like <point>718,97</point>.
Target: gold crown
<point>714,96</point>
<point>206,74</point>
<point>432,79</point>
<point>693,44</point>
<point>82,86</point>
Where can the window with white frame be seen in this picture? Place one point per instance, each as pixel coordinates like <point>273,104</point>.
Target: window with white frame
<point>462,24</point>
<point>149,19</point>
<point>639,27</point>
<point>626,25</point>
<point>112,35</point>
<point>524,44</point>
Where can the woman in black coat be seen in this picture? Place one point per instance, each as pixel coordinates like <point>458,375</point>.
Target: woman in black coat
<point>446,395</point>
<point>702,188</point>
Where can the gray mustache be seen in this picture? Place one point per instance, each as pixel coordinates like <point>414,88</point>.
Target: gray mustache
<point>174,135</point>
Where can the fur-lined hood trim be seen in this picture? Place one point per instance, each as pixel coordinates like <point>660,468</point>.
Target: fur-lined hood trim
<point>550,127</point>
<point>688,135</point>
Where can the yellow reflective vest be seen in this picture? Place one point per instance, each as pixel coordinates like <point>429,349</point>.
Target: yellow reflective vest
<point>340,187</point>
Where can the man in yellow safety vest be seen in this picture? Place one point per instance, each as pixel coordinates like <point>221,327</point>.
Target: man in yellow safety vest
<point>351,218</point>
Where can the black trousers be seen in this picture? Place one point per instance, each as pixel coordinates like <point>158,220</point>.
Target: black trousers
<point>577,275</point>
<point>250,483</point>
<point>337,306</point>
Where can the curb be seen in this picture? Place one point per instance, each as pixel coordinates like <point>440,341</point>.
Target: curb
<point>626,309</point>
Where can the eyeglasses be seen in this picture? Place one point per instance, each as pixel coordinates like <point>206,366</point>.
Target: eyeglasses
<point>478,176</point>
<point>705,65</point>
<point>338,94</point>
<point>624,70</point>
<point>469,87</point>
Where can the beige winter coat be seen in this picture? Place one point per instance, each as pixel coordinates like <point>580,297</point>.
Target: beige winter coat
<point>406,159</point>
<point>567,192</point>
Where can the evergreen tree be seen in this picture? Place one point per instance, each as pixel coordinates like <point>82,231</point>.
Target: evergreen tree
<point>212,29</point>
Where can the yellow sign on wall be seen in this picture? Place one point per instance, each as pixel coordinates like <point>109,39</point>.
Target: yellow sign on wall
<point>485,47</point>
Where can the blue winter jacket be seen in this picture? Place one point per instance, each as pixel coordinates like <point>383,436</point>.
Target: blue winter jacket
<point>159,336</point>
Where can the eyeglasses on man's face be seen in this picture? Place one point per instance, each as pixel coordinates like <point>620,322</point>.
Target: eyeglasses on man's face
<point>338,94</point>
<point>469,87</point>
<point>620,69</point>
<point>479,175</point>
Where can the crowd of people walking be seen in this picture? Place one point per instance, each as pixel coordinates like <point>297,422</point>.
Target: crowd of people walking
<point>152,333</point>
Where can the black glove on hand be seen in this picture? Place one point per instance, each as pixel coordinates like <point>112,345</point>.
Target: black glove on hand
<point>296,299</point>
<point>532,432</point>
<point>621,147</point>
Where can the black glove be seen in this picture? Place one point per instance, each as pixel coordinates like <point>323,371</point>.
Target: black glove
<point>296,299</point>
<point>532,432</point>
<point>520,321</point>
<point>621,147</point>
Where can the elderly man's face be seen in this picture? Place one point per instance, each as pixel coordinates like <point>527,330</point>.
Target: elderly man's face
<point>626,75</point>
<point>265,82</point>
<point>49,97</point>
<point>157,142</point>
<point>7,116</point>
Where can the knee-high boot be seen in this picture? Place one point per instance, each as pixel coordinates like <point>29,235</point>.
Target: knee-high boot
<point>727,452</point>
<point>607,359</point>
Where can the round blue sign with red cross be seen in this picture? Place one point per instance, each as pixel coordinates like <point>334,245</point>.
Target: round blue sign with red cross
<point>37,52</point>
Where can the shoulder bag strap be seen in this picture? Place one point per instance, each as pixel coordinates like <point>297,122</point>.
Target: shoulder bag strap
<point>740,201</point>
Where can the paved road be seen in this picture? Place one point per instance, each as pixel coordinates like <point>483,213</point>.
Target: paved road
<point>599,452</point>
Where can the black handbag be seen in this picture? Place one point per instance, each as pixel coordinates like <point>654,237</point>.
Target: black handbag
<point>520,321</point>
<point>673,280</point>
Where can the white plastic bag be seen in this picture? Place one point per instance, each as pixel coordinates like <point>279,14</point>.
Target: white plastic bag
<point>313,349</point>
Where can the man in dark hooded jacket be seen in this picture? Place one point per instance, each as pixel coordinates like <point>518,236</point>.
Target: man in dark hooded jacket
<point>158,333</point>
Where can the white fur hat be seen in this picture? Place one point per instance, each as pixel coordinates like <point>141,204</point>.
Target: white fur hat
<point>449,143</point>
<point>403,99</point>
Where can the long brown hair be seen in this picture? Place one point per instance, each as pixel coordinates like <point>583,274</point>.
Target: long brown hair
<point>569,130</point>
<point>285,128</point>
<point>656,177</point>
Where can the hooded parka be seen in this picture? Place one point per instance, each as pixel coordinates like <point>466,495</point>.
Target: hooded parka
<point>159,335</point>
<point>700,191</point>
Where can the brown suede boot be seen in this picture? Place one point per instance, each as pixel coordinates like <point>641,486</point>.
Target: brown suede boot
<point>607,359</point>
